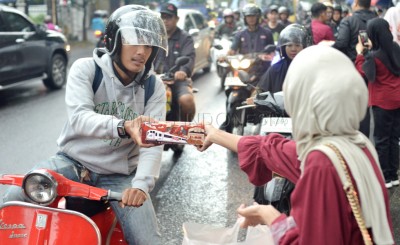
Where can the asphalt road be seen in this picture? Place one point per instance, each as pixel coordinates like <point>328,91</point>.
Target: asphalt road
<point>195,187</point>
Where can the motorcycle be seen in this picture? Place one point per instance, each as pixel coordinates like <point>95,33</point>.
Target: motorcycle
<point>269,109</point>
<point>237,91</point>
<point>173,112</point>
<point>62,212</point>
<point>220,49</point>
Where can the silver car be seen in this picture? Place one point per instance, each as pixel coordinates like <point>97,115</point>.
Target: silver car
<point>194,23</point>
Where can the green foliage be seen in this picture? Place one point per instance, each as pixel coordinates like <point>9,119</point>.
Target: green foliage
<point>37,19</point>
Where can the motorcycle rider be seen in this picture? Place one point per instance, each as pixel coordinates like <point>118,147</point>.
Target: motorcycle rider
<point>250,40</point>
<point>100,144</point>
<point>228,26</point>
<point>254,38</point>
<point>292,40</point>
<point>180,43</point>
<point>284,15</point>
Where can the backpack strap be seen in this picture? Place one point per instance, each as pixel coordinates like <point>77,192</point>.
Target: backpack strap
<point>98,76</point>
<point>149,85</point>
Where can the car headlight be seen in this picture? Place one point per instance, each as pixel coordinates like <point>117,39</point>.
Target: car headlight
<point>40,187</point>
<point>244,64</point>
<point>235,64</point>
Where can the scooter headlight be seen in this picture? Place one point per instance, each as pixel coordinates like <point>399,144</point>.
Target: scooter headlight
<point>244,64</point>
<point>235,64</point>
<point>40,187</point>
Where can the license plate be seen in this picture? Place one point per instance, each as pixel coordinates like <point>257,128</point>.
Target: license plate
<point>234,81</point>
<point>276,125</point>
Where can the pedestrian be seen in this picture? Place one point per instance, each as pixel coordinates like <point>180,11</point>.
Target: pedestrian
<point>48,21</point>
<point>393,17</point>
<point>381,67</point>
<point>324,148</point>
<point>180,44</point>
<point>100,144</point>
<point>349,28</point>
<point>292,40</point>
<point>347,38</point>
<point>273,24</point>
<point>336,18</point>
<point>320,30</point>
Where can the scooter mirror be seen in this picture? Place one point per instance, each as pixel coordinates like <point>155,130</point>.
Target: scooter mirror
<point>181,61</point>
<point>244,76</point>
<point>218,46</point>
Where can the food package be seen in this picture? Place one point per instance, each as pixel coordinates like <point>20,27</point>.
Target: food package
<point>173,133</point>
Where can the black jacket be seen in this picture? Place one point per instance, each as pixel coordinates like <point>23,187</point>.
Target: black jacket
<point>347,37</point>
<point>179,44</point>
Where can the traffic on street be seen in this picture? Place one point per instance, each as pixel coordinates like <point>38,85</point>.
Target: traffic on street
<point>274,159</point>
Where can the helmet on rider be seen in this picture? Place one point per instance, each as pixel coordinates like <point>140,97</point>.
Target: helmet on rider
<point>283,10</point>
<point>251,10</point>
<point>227,13</point>
<point>135,25</point>
<point>292,34</point>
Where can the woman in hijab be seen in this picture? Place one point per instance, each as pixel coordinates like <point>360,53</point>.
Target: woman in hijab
<point>326,108</point>
<point>392,16</point>
<point>381,67</point>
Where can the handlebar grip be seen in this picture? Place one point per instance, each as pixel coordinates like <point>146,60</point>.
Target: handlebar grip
<point>114,196</point>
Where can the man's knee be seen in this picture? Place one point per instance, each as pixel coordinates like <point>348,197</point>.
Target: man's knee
<point>187,101</point>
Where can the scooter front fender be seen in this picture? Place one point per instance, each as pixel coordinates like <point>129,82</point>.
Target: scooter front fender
<point>24,223</point>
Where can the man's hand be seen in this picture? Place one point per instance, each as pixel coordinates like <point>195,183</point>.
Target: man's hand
<point>180,75</point>
<point>133,197</point>
<point>134,129</point>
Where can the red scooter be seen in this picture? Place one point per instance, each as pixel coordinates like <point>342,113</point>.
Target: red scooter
<point>62,212</point>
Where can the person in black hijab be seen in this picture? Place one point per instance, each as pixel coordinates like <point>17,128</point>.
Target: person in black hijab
<point>381,67</point>
<point>291,41</point>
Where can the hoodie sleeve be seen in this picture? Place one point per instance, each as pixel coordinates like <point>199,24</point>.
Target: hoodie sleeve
<point>79,99</point>
<point>148,169</point>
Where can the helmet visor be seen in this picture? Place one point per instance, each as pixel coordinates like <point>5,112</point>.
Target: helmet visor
<point>138,36</point>
<point>143,28</point>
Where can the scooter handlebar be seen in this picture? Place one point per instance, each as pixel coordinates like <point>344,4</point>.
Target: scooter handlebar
<point>114,196</point>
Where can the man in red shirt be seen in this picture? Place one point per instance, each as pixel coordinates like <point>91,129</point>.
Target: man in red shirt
<point>320,30</point>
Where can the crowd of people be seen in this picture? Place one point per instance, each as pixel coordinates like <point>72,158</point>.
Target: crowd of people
<point>329,90</point>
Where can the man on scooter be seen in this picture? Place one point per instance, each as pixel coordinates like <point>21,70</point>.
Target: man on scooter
<point>180,44</point>
<point>100,144</point>
<point>228,27</point>
<point>253,39</point>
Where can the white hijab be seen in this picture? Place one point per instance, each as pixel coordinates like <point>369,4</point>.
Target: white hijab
<point>326,99</point>
<point>392,16</point>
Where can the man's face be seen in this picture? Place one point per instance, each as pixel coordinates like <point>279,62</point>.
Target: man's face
<point>251,20</point>
<point>324,16</point>
<point>134,57</point>
<point>283,16</point>
<point>170,21</point>
<point>272,16</point>
<point>228,19</point>
<point>329,13</point>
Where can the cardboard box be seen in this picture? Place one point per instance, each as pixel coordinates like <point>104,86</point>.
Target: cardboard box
<point>173,133</point>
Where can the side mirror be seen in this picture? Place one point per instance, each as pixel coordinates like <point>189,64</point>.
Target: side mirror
<point>244,76</point>
<point>182,60</point>
<point>194,32</point>
<point>218,46</point>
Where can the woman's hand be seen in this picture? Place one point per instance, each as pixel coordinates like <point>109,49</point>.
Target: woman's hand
<point>210,130</point>
<point>360,48</point>
<point>134,129</point>
<point>257,214</point>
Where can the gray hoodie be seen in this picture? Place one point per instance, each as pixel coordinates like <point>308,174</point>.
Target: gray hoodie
<point>90,135</point>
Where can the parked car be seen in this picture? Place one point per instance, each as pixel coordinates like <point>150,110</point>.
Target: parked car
<point>29,51</point>
<point>193,22</point>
